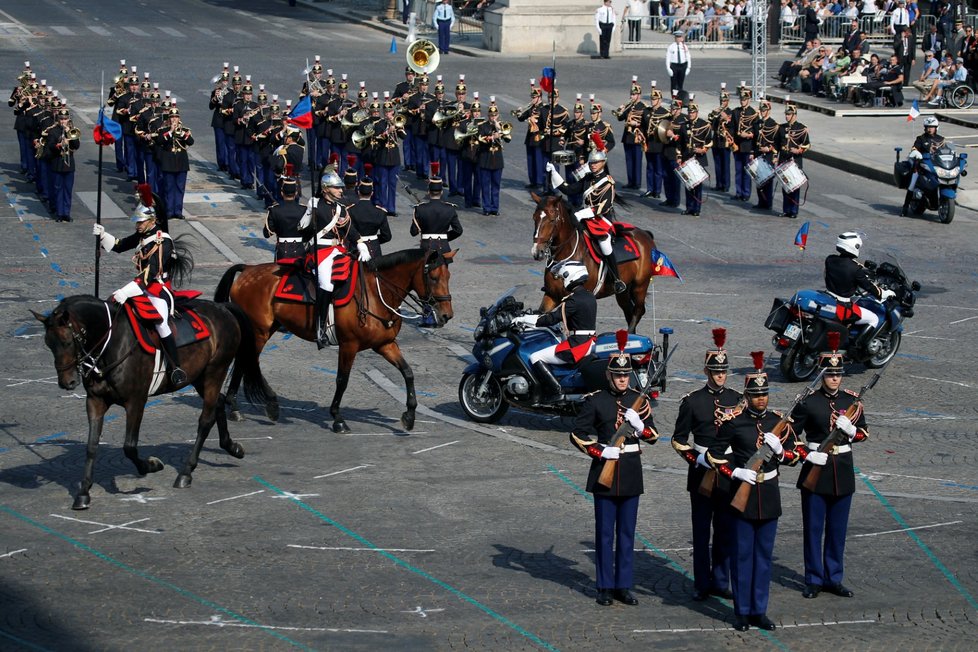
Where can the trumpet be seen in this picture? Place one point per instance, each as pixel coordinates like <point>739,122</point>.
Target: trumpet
<point>623,110</point>
<point>400,120</point>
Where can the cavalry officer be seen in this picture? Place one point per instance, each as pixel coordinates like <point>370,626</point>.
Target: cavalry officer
<point>61,145</point>
<point>655,164</point>
<point>765,135</point>
<point>615,507</point>
<point>696,137</point>
<point>743,431</point>
<point>719,119</point>
<point>328,233</point>
<point>597,217</point>
<point>491,139</point>
<point>530,114</point>
<point>742,119</point>
<point>825,510</point>
<point>387,159</point>
<point>172,142</point>
<point>696,432</point>
<point>672,155</point>
<point>418,124</point>
<point>436,220</point>
<point>792,143</point>
<point>631,114</point>
<point>369,220</point>
<point>578,313</point>
<point>157,262</point>
<point>217,121</point>
<point>282,221</point>
<point>469,159</point>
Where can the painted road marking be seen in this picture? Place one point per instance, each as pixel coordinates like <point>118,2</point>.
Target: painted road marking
<point>349,549</point>
<point>110,209</point>
<point>352,468</point>
<point>135,30</point>
<point>12,553</point>
<point>425,450</point>
<point>106,527</point>
<point>906,529</point>
<point>725,630</point>
<point>64,31</point>
<point>217,621</point>
<point>221,500</point>
<point>421,611</point>
<point>101,31</point>
<point>172,32</point>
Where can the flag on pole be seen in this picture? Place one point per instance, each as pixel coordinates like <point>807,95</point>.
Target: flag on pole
<point>801,238</point>
<point>662,266</point>
<point>914,111</point>
<point>548,78</point>
<point>301,115</point>
<point>107,130</point>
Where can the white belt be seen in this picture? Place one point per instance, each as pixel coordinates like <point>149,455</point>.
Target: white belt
<point>290,239</point>
<point>839,298</point>
<point>700,449</point>
<point>582,332</point>
<point>630,448</point>
<point>434,236</point>
<point>366,238</point>
<point>835,450</point>
<point>764,476</point>
<point>326,243</point>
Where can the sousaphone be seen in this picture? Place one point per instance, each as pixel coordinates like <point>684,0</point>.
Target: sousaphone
<point>422,56</point>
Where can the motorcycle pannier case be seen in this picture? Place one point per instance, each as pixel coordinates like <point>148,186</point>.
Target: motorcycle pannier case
<point>902,171</point>
<point>779,316</point>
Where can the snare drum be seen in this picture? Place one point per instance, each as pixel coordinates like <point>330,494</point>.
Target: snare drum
<point>563,157</point>
<point>760,170</point>
<point>691,173</point>
<point>791,176</point>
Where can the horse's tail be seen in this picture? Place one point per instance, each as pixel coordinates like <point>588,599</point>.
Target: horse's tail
<point>182,267</point>
<point>223,292</point>
<point>246,359</point>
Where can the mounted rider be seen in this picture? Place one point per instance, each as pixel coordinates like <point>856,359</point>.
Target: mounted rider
<point>844,277</point>
<point>924,145</point>
<point>597,216</point>
<point>157,261</point>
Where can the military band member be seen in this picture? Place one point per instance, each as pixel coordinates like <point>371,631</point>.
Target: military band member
<point>553,125</point>
<point>741,433</point>
<point>401,97</point>
<point>321,124</point>
<point>577,142</point>
<point>491,138</point>
<point>530,114</point>
<point>452,149</point>
<point>792,143</point>
<point>150,120</point>
<point>22,100</point>
<point>143,150</point>
<point>696,431</point>
<point>61,145</point>
<point>217,121</point>
<point>267,133</point>
<point>242,113</point>
<point>600,127</point>
<point>469,159</point>
<point>369,220</point>
<point>172,142</point>
<point>696,137</point>
<point>719,119</point>
<point>129,107</point>
<point>615,507</point>
<point>283,220</point>
<point>765,135</point>
<point>631,140</point>
<point>743,119</point>
<point>290,151</point>
<point>42,121</point>
<point>825,510</point>
<point>655,163</point>
<point>351,180</point>
<point>227,112</point>
<point>387,159</point>
<point>672,155</point>
<point>417,107</point>
<point>118,90</point>
<point>314,87</point>
<point>436,221</point>
<point>436,134</point>
<point>340,107</point>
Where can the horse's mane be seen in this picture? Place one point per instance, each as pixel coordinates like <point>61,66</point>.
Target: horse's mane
<point>396,258</point>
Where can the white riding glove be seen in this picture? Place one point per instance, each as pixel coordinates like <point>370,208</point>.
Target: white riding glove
<point>887,294</point>
<point>550,167</point>
<point>555,179</point>
<point>772,440</point>
<point>701,461</point>
<point>307,216</point>
<point>106,239</point>
<point>635,421</point>
<point>745,475</point>
<point>364,251</point>
<point>610,453</point>
<point>585,213</point>
<point>526,320</point>
<point>845,425</point>
<point>127,291</point>
<point>818,459</point>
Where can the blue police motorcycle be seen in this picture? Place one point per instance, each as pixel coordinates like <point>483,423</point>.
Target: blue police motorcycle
<point>937,182</point>
<point>501,374</point>
<point>801,324</point>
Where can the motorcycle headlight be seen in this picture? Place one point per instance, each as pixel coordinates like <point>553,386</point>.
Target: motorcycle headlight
<point>943,173</point>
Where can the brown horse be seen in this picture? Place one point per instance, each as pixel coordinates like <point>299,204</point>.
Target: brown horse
<point>556,237</point>
<point>370,321</point>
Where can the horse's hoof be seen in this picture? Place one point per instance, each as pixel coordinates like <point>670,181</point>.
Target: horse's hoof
<point>153,465</point>
<point>340,426</point>
<point>82,501</point>
<point>183,481</point>
<point>235,415</point>
<point>272,411</point>
<point>407,420</point>
<point>235,449</point>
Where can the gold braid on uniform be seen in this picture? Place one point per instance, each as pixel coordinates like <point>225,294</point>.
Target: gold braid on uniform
<point>698,136</point>
<point>767,135</point>
<point>717,462</point>
<point>139,258</point>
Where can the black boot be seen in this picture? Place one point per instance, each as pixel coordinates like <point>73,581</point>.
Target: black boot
<point>323,300</point>
<point>177,375</point>
<point>550,388</point>
<point>906,204</point>
<point>613,270</point>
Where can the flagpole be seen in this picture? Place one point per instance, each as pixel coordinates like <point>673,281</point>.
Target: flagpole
<point>550,118</point>
<point>98,196</point>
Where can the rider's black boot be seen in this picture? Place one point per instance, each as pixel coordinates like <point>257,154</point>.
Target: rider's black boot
<point>906,204</point>
<point>323,300</point>
<point>177,375</point>
<point>550,388</point>
<point>613,270</point>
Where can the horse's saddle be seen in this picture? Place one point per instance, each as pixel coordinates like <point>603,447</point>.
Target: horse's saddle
<point>187,326</point>
<point>299,284</point>
<point>623,246</point>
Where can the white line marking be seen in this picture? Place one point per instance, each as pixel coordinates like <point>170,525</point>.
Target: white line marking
<point>208,32</point>
<point>141,499</point>
<point>214,240</point>
<point>106,527</point>
<point>425,450</point>
<point>906,529</point>
<point>421,611</point>
<point>396,433</point>
<point>221,500</point>
<point>961,320</point>
<point>135,30</point>
<point>724,631</point>
<point>912,477</point>
<point>941,380</point>
<point>292,545</point>
<point>101,31</point>
<point>64,31</point>
<point>172,32</point>
<point>930,337</point>
<point>110,209</point>
<point>51,380</point>
<point>938,305</point>
<point>292,496</point>
<point>242,32</point>
<point>11,554</point>
<point>646,549</point>
<point>216,621</point>
<point>190,441</point>
<point>352,468</point>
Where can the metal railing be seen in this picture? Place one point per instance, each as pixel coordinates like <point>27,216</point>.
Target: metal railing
<point>715,31</point>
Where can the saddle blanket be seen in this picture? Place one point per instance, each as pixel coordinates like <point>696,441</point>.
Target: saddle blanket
<point>187,327</point>
<point>298,285</point>
<point>622,245</point>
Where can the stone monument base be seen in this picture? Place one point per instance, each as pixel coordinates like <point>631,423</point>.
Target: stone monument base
<point>534,26</point>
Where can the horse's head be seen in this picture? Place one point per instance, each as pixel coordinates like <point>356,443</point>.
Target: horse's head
<point>62,335</point>
<point>430,283</point>
<point>548,220</point>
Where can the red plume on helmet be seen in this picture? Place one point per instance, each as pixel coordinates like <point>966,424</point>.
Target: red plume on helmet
<point>368,168</point>
<point>758,358</point>
<point>290,170</point>
<point>145,194</point>
<point>597,140</point>
<point>719,337</point>
<point>833,337</point>
<point>621,339</point>
<point>435,168</point>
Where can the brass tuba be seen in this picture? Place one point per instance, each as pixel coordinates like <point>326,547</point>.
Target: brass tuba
<point>422,56</point>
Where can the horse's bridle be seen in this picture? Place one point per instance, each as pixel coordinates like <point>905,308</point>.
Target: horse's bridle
<point>86,361</point>
<point>428,300</point>
<point>551,247</point>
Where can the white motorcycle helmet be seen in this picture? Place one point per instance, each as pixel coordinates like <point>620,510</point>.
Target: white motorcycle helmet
<point>850,243</point>
<point>931,121</point>
<point>572,273</point>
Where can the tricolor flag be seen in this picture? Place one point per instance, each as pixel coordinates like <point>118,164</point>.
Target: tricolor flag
<point>662,266</point>
<point>107,130</point>
<point>914,112</point>
<point>801,238</point>
<point>548,78</point>
<point>301,115</point>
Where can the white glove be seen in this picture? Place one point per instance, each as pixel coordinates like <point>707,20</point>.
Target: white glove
<point>887,294</point>
<point>772,440</point>
<point>98,230</point>
<point>364,251</point>
<point>106,239</point>
<point>845,425</point>
<point>526,320</point>
<point>550,167</point>
<point>610,453</point>
<point>818,459</point>
<point>585,213</point>
<point>914,154</point>
<point>635,421</point>
<point>745,475</point>
<point>306,218</point>
<point>313,202</point>
<point>555,179</point>
<point>127,291</point>
<point>701,461</point>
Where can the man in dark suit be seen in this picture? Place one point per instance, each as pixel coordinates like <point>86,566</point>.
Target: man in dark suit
<point>905,49</point>
<point>854,39</point>
<point>933,41</point>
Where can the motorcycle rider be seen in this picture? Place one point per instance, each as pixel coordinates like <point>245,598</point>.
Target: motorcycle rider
<point>578,312</point>
<point>926,143</point>
<point>844,277</point>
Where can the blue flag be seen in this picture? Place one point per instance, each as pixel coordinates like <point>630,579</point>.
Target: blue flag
<point>107,130</point>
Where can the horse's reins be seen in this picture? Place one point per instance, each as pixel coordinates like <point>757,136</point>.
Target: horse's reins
<point>551,246</point>
<point>85,361</point>
<point>430,299</point>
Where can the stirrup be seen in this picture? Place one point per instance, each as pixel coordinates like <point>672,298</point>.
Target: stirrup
<point>620,286</point>
<point>178,376</point>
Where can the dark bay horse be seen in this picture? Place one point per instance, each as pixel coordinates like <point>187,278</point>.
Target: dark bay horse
<point>94,345</point>
<point>557,238</point>
<point>370,321</point>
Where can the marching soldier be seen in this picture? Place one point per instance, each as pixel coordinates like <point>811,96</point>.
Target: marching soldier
<point>338,108</point>
<point>631,114</point>
<point>436,220</point>
<point>615,507</point>
<point>743,119</point>
<point>283,220</point>
<point>172,142</point>
<point>62,141</point>
<point>314,87</point>
<point>369,220</point>
<point>23,102</point>
<point>577,142</point>
<point>491,138</point>
<point>129,107</point>
<point>351,181</point>
<point>258,122</point>
<point>696,137</point>
<point>321,124</point>
<point>530,114</point>
<point>696,432</point>
<point>120,89</point>
<point>719,119</point>
<point>149,122</point>
<point>417,107</point>
<point>792,143</point>
<point>553,122</point>
<point>242,113</point>
<point>655,162</point>
<point>143,150</point>
<point>42,121</point>
<point>266,131</point>
<point>436,135</point>
<point>825,509</point>
<point>453,149</point>
<point>290,151</point>
<point>469,159</point>
<point>402,96</point>
<point>765,133</point>
<point>600,127</point>
<point>217,121</point>
<point>742,432</point>
<point>227,111</point>
<point>387,158</point>
<point>672,155</point>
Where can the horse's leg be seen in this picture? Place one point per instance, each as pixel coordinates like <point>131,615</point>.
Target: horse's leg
<point>134,417</point>
<point>96,408</point>
<point>348,351</point>
<point>231,399</point>
<point>392,353</point>
<point>637,296</point>
<point>213,411</point>
<point>271,398</point>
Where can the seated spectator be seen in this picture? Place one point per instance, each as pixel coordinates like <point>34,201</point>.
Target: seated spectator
<point>840,65</point>
<point>725,23</point>
<point>871,71</point>
<point>891,76</point>
<point>811,75</point>
<point>957,74</point>
<point>929,75</point>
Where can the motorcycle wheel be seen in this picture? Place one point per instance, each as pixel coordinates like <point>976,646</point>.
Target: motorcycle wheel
<point>945,211</point>
<point>487,409</point>
<point>797,364</point>
<point>886,353</point>
<point>918,206</point>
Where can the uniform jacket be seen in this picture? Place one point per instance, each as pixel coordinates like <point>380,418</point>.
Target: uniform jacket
<point>844,276</point>
<point>433,217</point>
<point>696,429</point>
<point>371,220</point>
<point>578,311</point>
<point>282,221</point>
<point>600,416</point>
<point>53,145</point>
<point>816,416</point>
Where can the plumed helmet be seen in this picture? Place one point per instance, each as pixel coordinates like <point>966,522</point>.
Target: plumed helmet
<point>143,214</point>
<point>849,243</point>
<point>571,272</point>
<point>756,384</point>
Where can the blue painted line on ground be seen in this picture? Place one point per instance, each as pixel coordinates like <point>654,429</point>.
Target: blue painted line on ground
<point>411,568</point>
<point>481,244</point>
<point>822,224</point>
<point>325,370</point>
<point>21,330</point>
<point>466,328</point>
<point>213,205</point>
<point>36,238</point>
<point>59,297</point>
<point>911,356</point>
<point>55,266</point>
<point>151,578</point>
<point>923,413</point>
<point>426,394</point>
<point>22,642</point>
<point>152,403</point>
<point>287,336</point>
<point>506,259</point>
<point>971,487</point>
<point>271,347</point>
<point>536,272</point>
<point>710,320</point>
<point>916,539</point>
<point>57,435</point>
<point>206,198</point>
